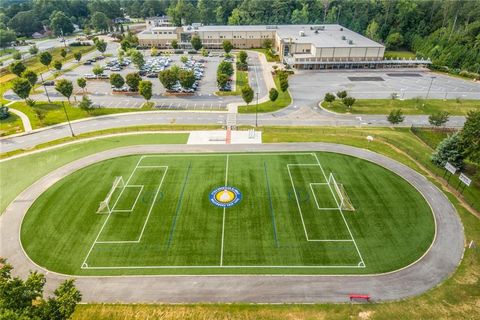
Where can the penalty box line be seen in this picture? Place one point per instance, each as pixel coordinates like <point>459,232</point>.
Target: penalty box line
<point>362,262</point>
<point>84,263</point>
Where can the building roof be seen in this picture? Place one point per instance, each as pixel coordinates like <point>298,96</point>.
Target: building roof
<point>328,35</point>
<point>325,36</point>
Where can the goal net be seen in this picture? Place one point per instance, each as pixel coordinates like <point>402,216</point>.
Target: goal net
<point>106,205</point>
<point>340,194</point>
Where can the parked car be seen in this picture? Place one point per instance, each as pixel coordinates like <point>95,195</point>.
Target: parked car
<point>48,83</point>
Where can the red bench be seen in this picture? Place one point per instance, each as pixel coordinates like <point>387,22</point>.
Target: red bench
<point>360,296</point>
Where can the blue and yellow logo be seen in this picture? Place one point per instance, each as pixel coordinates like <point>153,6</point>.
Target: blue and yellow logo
<point>225,197</point>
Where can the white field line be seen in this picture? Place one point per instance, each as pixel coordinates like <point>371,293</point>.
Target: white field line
<point>341,212</point>
<point>233,154</point>
<point>315,197</point>
<point>223,221</point>
<point>153,203</point>
<point>84,263</point>
<point>136,199</point>
<point>230,267</point>
<point>298,203</point>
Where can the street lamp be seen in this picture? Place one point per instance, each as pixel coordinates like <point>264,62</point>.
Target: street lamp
<point>68,119</point>
<point>429,87</point>
<point>256,113</point>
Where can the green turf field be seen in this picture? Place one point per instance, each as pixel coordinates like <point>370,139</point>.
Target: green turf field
<point>289,219</point>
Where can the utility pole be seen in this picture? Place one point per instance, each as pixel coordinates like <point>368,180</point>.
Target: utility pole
<point>429,87</point>
<point>68,119</point>
<point>256,113</point>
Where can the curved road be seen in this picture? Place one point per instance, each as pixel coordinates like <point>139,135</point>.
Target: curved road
<point>434,267</point>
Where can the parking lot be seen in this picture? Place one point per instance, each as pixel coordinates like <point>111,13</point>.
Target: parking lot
<point>309,87</point>
<point>207,84</point>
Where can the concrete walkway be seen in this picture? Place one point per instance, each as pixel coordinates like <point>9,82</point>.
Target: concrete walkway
<point>27,126</point>
<point>436,265</point>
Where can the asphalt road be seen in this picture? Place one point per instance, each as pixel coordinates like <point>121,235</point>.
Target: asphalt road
<point>438,263</point>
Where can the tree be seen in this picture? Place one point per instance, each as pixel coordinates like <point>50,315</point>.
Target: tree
<point>133,80</point>
<point>17,55</point>
<point>372,31</point>
<point>21,87</point>
<point>78,56</point>
<point>117,80</point>
<point>65,88</point>
<point>25,23</point>
<point>284,84</point>
<point>97,70</point>
<point>242,57</point>
<point>17,68</point>
<point>184,59</point>
<point>6,37</point>
<point>348,102</point>
<point>470,136</point>
<point>45,59</point>
<point>222,80</point>
<point>125,45</point>
<point>168,78</point>
<point>86,104</point>
<point>267,44</point>
<point>449,150</point>
<point>4,113</point>
<point>273,94</point>
<point>63,53</point>
<point>247,94</point>
<point>60,24</point>
<point>329,98</point>
<point>30,76</point>
<point>227,46</point>
<point>396,116</point>
<point>174,44</point>
<point>145,89</point>
<point>341,94</point>
<point>186,78</point>
<point>137,58</point>
<point>394,41</point>
<point>82,83</point>
<point>196,43</point>
<point>439,119</point>
<point>33,50</point>
<point>99,21</point>
<point>225,67</point>
<point>23,299</point>
<point>57,64</point>
<point>101,46</point>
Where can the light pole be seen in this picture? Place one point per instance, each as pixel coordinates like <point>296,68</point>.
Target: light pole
<point>68,119</point>
<point>429,87</point>
<point>256,113</point>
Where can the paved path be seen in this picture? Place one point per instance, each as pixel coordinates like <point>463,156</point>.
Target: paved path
<point>434,267</point>
<point>27,126</point>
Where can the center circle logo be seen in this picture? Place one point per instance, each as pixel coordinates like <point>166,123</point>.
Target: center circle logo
<point>225,197</point>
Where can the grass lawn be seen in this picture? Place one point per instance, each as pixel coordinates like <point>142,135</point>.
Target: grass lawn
<point>241,80</point>
<point>13,124</point>
<point>431,136</point>
<point>54,113</point>
<point>282,101</point>
<point>409,106</point>
<point>392,224</point>
<point>399,54</point>
<point>268,55</point>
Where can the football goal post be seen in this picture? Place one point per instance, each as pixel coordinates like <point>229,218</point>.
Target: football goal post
<point>106,206</point>
<point>340,195</point>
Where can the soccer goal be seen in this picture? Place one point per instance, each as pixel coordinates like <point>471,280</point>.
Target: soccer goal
<point>340,194</point>
<point>106,206</point>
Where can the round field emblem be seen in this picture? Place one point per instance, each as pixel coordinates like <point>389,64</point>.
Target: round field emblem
<point>225,197</point>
